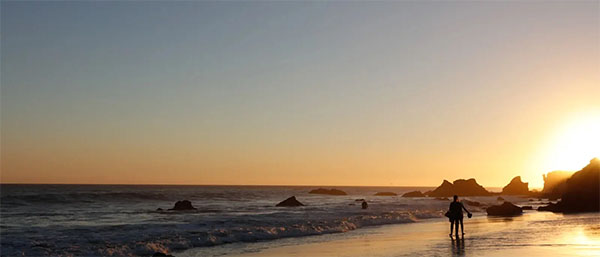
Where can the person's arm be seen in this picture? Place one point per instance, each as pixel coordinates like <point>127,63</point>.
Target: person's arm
<point>463,206</point>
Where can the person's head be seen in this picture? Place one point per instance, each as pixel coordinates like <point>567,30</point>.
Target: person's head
<point>456,198</point>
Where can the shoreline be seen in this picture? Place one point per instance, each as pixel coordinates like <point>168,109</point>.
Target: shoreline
<point>573,235</point>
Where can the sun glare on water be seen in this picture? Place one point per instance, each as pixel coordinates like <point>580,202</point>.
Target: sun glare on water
<point>574,144</point>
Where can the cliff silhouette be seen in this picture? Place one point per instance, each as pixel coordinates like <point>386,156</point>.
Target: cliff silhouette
<point>555,183</point>
<point>582,192</point>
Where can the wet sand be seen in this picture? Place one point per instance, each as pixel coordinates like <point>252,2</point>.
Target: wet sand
<point>532,234</point>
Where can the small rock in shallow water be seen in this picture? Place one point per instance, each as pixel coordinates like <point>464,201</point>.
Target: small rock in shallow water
<point>158,254</point>
<point>505,209</point>
<point>365,205</point>
<point>290,202</point>
<point>182,206</point>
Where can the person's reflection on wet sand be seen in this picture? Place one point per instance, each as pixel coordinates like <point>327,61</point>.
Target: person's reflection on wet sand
<point>458,246</point>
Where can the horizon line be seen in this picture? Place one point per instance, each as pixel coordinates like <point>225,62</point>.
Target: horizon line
<point>257,185</point>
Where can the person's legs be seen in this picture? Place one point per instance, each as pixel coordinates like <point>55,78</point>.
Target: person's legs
<point>462,228</point>
<point>456,227</point>
<point>451,226</point>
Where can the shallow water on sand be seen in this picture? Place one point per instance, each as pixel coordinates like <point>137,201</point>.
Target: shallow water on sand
<point>533,234</point>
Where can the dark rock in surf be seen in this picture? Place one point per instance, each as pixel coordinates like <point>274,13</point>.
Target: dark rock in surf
<point>506,209</point>
<point>516,187</point>
<point>500,198</point>
<point>386,194</point>
<point>364,205</point>
<point>527,207</point>
<point>184,205</point>
<point>324,191</point>
<point>414,194</point>
<point>472,203</point>
<point>159,254</point>
<point>290,202</point>
<point>159,209</point>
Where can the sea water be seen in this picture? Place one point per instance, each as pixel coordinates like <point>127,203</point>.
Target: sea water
<point>121,220</point>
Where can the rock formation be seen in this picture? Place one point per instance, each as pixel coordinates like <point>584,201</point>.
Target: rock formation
<point>290,202</point>
<point>414,194</point>
<point>505,209</point>
<point>184,205</point>
<point>555,183</point>
<point>460,187</point>
<point>324,191</point>
<point>516,187</point>
<point>500,198</point>
<point>386,194</point>
<point>364,205</point>
<point>582,193</point>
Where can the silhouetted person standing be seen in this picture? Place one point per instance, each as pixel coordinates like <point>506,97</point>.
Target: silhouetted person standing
<point>456,216</point>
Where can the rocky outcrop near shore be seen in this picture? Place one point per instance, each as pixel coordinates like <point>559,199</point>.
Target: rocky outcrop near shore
<point>184,205</point>
<point>505,209</point>
<point>516,187</point>
<point>386,194</point>
<point>555,183</point>
<point>414,194</point>
<point>324,191</point>
<point>582,193</point>
<point>290,202</point>
<point>460,187</point>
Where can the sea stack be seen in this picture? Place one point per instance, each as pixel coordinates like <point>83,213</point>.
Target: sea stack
<point>516,187</point>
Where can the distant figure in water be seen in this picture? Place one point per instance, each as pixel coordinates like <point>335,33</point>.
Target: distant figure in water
<point>364,204</point>
<point>455,214</point>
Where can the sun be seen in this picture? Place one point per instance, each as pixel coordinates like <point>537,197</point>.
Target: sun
<point>574,143</point>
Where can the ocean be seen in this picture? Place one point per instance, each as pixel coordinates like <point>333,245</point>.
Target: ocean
<point>122,220</point>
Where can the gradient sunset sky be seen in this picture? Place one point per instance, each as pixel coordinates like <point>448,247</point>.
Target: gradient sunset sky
<point>298,93</point>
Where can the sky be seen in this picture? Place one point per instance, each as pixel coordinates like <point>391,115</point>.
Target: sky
<point>297,93</point>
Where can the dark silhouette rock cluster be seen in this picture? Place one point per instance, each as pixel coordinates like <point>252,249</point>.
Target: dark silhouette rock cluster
<point>184,205</point>
<point>516,187</point>
<point>460,187</point>
<point>505,209</point>
<point>290,202</point>
<point>414,194</point>
<point>324,191</point>
<point>582,193</point>
<point>386,194</point>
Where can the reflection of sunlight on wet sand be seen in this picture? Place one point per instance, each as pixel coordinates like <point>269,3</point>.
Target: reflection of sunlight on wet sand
<point>585,245</point>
